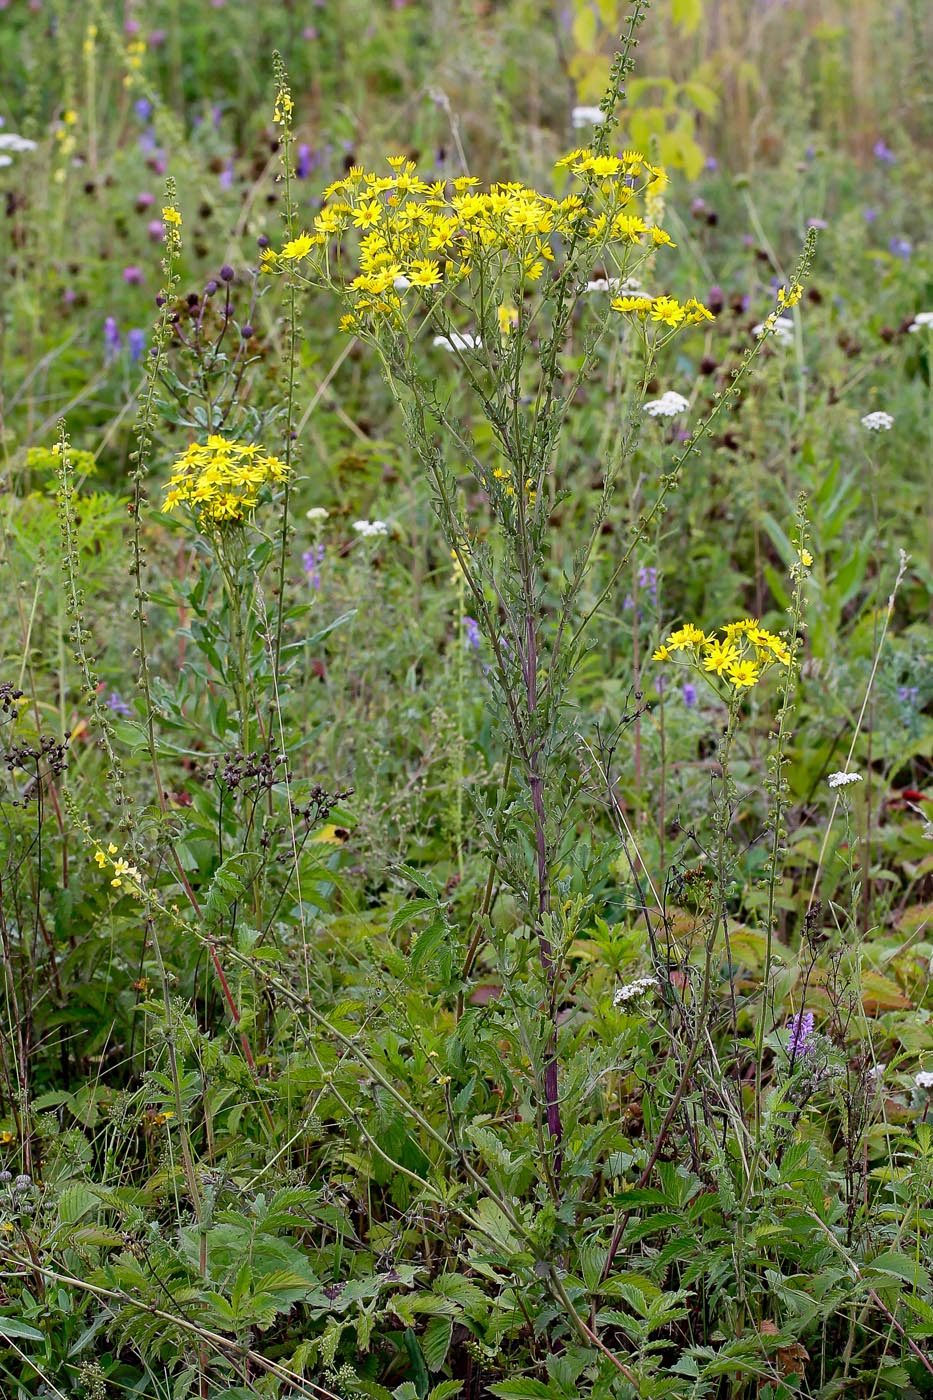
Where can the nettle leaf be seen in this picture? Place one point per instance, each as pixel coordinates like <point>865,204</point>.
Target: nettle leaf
<point>410,911</point>
<point>231,879</point>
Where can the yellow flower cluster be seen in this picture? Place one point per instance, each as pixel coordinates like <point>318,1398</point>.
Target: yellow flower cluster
<point>429,236</point>
<point>220,481</point>
<point>123,872</point>
<point>664,309</point>
<point>740,655</point>
<point>49,459</point>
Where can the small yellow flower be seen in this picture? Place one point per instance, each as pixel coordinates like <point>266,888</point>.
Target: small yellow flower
<point>805,557</point>
<point>663,653</point>
<point>667,310</point>
<point>112,849</point>
<point>101,859</point>
<point>171,216</point>
<point>297,248</point>
<point>508,319</point>
<point>424,272</point>
<point>743,674</point>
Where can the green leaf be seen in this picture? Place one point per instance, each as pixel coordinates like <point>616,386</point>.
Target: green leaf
<point>428,943</point>
<point>410,911</point>
<point>900,1266</point>
<point>529,1389</point>
<point>435,1341</point>
<point>12,1327</point>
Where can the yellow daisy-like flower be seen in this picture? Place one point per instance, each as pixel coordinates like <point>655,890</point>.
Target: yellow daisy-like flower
<point>639,304</point>
<point>297,248</point>
<point>667,311</point>
<point>424,272</point>
<point>743,674</point>
<point>219,481</point>
<point>719,656</point>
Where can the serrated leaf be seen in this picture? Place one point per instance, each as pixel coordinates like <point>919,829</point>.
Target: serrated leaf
<point>435,1341</point>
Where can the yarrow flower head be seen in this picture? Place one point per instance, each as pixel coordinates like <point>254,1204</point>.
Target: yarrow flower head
<point>924,1079</point>
<point>922,321</point>
<point>878,422</point>
<point>220,482</point>
<point>740,656</point>
<point>458,341</point>
<point>582,117</point>
<point>780,328</point>
<point>667,406</point>
<point>370,529</point>
<point>633,991</point>
<point>841,780</point>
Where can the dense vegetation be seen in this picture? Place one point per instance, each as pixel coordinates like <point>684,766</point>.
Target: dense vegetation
<point>466,700</point>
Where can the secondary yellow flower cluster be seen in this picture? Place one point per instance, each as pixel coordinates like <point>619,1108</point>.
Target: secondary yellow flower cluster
<point>123,872</point>
<point>49,459</point>
<point>220,481</point>
<point>430,236</point>
<point>741,655</point>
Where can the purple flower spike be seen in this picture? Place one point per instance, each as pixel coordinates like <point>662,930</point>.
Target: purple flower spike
<point>136,343</point>
<point>473,638</point>
<point>689,693</point>
<point>311,560</point>
<point>118,705</point>
<point>801,1034</point>
<point>112,341</point>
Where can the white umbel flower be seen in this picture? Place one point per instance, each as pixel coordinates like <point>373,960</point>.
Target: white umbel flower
<point>616,284</point>
<point>921,321</point>
<point>924,1079</point>
<point>633,990</point>
<point>781,328</point>
<point>586,116</point>
<point>370,529</point>
<point>667,406</point>
<point>840,780</point>
<point>10,141</point>
<point>317,513</point>
<point>458,341</point>
<point>878,422</point>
